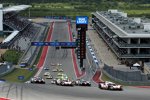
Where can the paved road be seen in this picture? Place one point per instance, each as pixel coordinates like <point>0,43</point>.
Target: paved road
<point>87,62</point>
<point>62,56</point>
<point>51,92</point>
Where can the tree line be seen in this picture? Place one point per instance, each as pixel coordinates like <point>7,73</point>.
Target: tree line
<point>67,1</point>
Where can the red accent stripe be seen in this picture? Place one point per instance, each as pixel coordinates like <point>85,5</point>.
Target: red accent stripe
<point>4,99</point>
<point>97,76</point>
<point>78,74</point>
<point>45,48</point>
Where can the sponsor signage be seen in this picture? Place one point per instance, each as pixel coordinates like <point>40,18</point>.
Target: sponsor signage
<point>81,20</point>
<point>20,77</point>
<point>57,44</point>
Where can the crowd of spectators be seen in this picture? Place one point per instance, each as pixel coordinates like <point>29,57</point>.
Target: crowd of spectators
<point>9,14</point>
<point>24,39</point>
<point>16,22</point>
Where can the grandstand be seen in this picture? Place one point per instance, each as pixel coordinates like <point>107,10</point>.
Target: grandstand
<point>12,25</point>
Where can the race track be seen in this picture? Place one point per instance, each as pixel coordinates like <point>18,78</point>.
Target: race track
<point>51,92</point>
<point>48,91</point>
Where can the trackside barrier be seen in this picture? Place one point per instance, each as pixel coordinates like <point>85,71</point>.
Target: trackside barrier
<point>128,82</point>
<point>94,66</point>
<point>5,70</point>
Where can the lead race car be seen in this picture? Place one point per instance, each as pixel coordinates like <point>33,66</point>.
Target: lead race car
<point>109,86</point>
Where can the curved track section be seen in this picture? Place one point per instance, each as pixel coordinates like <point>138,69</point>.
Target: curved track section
<point>51,92</point>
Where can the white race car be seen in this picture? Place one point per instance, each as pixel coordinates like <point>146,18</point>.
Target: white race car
<point>60,74</point>
<point>67,82</point>
<point>60,70</point>
<point>39,80</point>
<point>46,73</point>
<point>55,70</point>
<point>46,68</point>
<point>49,77</point>
<point>52,64</point>
<point>58,64</point>
<point>109,86</point>
<point>53,81</point>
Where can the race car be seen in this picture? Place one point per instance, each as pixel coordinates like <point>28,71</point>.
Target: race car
<point>60,74</point>
<point>46,68</point>
<point>109,86</point>
<point>82,82</point>
<point>55,70</point>
<point>39,80</point>
<point>46,73</point>
<point>60,70</point>
<point>58,81</point>
<point>66,82</point>
<point>49,77</point>
<point>58,64</point>
<point>28,82</point>
<point>53,81</point>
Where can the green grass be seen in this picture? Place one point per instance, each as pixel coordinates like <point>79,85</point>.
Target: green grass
<point>38,56</point>
<point>77,9</point>
<point>13,76</point>
<point>138,12</point>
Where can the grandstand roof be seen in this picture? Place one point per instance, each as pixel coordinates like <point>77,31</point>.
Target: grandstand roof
<point>15,8</point>
<point>10,37</point>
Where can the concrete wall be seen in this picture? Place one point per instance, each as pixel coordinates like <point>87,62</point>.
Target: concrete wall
<point>6,68</point>
<point>133,75</point>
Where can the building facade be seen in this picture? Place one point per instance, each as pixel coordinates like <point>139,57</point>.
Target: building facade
<point>128,38</point>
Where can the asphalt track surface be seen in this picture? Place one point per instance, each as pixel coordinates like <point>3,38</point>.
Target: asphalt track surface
<point>51,92</point>
<point>62,56</point>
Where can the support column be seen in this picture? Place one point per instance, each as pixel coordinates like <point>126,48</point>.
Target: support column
<point>139,41</point>
<point>129,51</point>
<point>138,50</point>
<point>129,41</point>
